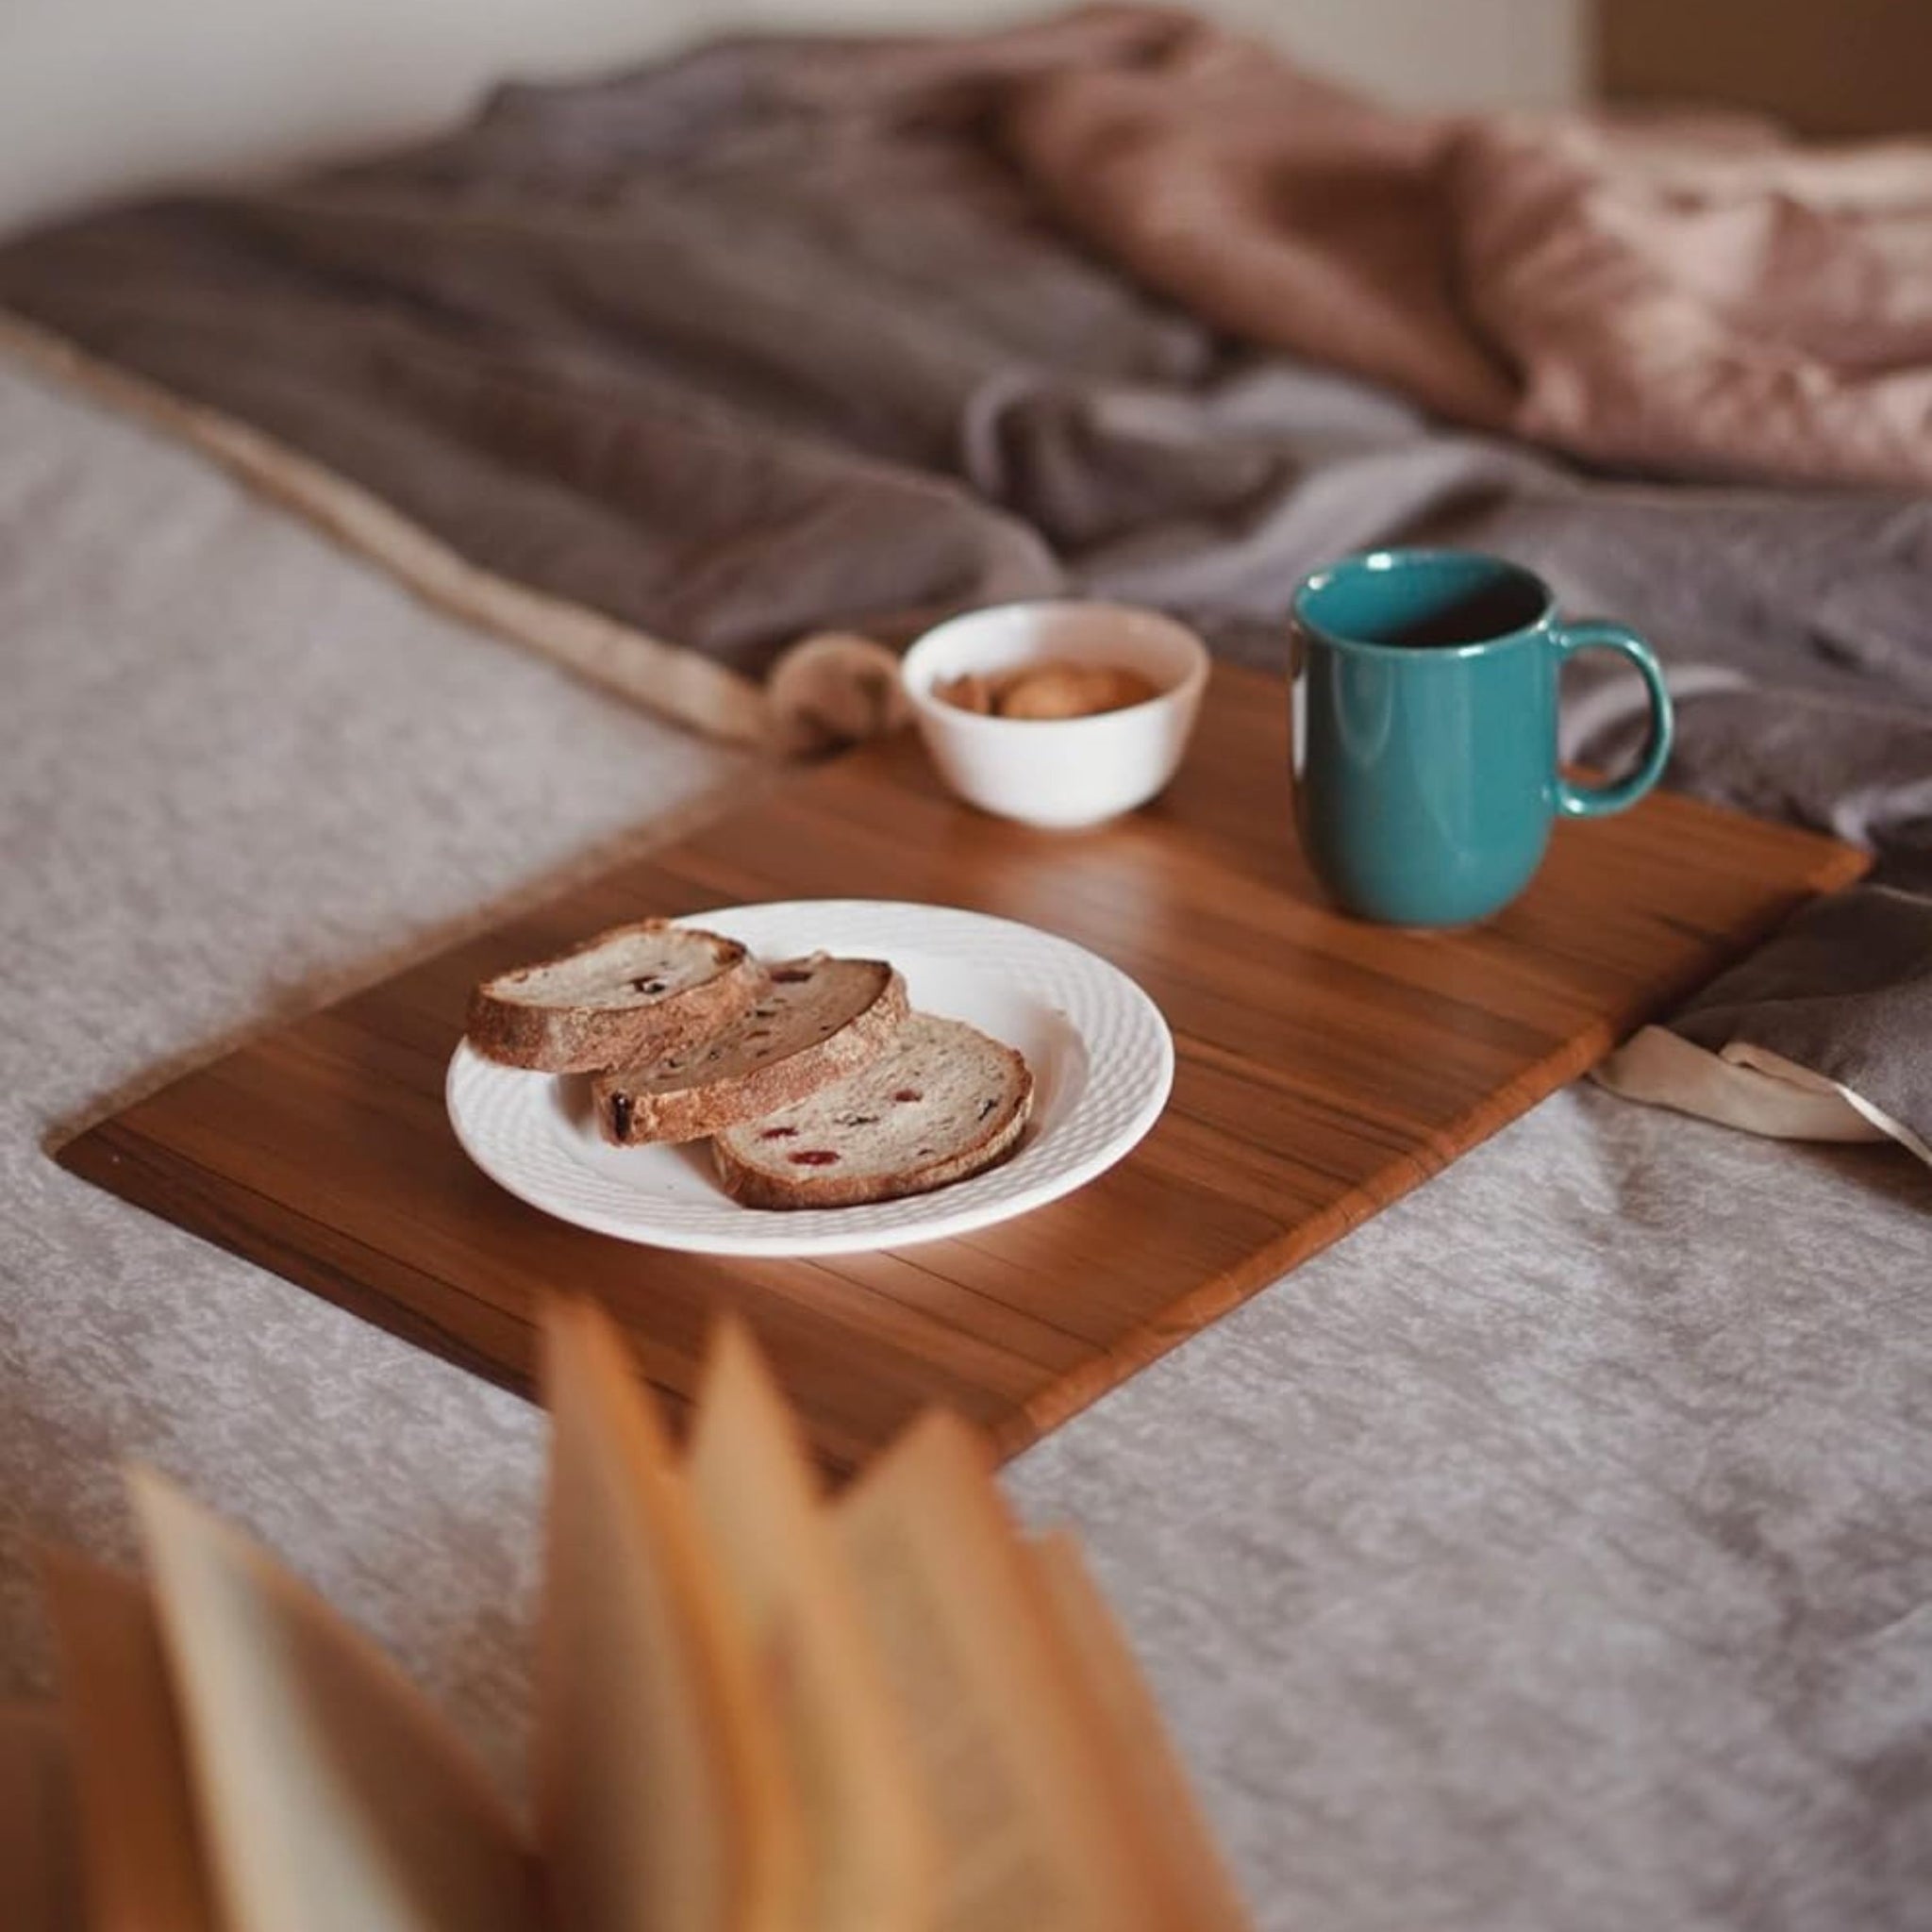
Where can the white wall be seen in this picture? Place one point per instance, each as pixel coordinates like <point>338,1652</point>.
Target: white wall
<point>101,97</point>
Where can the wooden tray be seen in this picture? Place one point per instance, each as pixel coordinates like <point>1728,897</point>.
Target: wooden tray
<point>1326,1066</point>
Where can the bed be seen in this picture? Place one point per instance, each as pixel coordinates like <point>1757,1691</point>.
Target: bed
<point>1552,1551</point>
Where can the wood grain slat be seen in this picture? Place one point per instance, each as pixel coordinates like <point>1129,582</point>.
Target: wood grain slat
<point>1324,1067</point>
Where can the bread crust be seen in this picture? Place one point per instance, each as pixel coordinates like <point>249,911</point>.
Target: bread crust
<point>755,1186</point>
<point>575,1039</point>
<point>628,1118</point>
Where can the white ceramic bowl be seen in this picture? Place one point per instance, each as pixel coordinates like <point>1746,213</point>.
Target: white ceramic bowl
<point>1058,771</point>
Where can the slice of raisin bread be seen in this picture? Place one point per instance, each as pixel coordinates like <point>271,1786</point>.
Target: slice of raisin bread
<point>633,993</point>
<point>941,1103</point>
<point>816,1021</point>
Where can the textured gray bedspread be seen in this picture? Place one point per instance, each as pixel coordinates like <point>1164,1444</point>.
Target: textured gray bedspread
<point>1556,1552</point>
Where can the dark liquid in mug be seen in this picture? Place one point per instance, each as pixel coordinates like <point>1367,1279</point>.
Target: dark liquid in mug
<point>1491,612</point>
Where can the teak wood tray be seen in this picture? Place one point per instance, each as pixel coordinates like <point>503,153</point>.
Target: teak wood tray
<point>1326,1066</point>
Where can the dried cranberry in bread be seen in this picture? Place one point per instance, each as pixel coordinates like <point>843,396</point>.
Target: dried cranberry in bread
<point>633,993</point>
<point>941,1103</point>
<point>816,1021</point>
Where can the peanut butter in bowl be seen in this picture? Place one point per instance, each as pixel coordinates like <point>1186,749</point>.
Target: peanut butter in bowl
<point>1052,689</point>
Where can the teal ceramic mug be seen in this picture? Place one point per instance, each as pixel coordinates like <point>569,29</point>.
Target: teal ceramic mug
<point>1425,740</point>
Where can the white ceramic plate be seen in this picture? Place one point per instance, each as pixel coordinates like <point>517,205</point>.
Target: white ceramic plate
<point>1101,1055</point>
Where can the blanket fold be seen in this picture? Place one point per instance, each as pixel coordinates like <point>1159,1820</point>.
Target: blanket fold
<point>1820,1035</point>
<point>1694,298</point>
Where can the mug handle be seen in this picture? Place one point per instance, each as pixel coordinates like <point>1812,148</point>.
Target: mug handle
<point>1599,801</point>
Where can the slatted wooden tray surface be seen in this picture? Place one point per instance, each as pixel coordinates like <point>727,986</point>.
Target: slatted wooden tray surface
<point>1325,1068</point>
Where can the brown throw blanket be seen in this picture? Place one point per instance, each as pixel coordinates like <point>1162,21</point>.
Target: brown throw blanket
<point>721,352</point>
<point>667,373</point>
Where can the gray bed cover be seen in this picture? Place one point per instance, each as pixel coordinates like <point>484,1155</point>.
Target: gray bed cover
<point>1552,1553</point>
